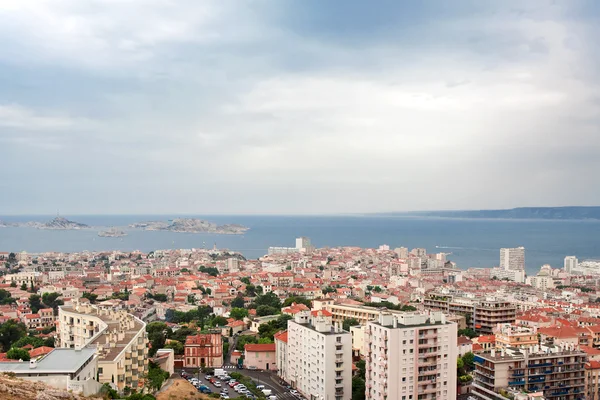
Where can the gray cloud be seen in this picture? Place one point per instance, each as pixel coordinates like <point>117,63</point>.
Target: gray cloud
<point>296,107</point>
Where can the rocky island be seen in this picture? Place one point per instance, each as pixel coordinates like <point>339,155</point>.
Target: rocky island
<point>58,223</point>
<point>112,233</point>
<point>191,225</point>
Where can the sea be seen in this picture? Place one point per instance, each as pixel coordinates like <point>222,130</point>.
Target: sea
<point>468,242</point>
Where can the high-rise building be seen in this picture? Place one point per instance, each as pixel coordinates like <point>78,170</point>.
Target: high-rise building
<point>512,258</point>
<point>571,263</point>
<point>303,244</point>
<point>556,371</point>
<point>319,358</point>
<point>233,265</point>
<point>411,356</point>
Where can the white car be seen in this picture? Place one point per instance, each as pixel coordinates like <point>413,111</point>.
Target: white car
<point>243,391</point>
<point>260,387</point>
<point>217,384</point>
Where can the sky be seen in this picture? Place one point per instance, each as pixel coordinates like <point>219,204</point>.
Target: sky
<point>297,107</point>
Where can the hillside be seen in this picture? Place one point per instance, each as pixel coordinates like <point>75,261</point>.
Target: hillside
<point>550,213</point>
<point>13,388</point>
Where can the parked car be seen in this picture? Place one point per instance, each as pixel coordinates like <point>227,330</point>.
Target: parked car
<point>217,384</point>
<point>207,377</point>
<point>260,387</point>
<point>224,396</point>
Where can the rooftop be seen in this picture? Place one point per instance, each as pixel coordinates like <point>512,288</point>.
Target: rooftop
<point>57,361</point>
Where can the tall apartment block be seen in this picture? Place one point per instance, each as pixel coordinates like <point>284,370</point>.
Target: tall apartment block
<point>556,371</point>
<point>319,358</point>
<point>513,258</point>
<point>484,314</point>
<point>571,264</point>
<point>411,356</point>
<point>120,339</point>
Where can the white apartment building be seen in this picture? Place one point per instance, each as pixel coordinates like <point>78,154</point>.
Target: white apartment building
<point>281,351</point>
<point>571,263</point>
<point>27,278</point>
<point>303,244</point>
<point>319,358</point>
<point>512,258</point>
<point>513,275</point>
<point>411,356</point>
<point>120,339</point>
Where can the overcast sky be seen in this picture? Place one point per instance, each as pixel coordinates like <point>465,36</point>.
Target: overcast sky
<point>188,106</point>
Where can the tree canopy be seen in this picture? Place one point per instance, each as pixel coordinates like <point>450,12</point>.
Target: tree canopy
<point>238,313</point>
<point>10,332</point>
<point>298,300</point>
<point>348,322</point>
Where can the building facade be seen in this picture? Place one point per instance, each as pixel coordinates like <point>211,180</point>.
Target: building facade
<point>411,356</point>
<point>319,359</point>
<point>281,341</point>
<point>557,371</point>
<point>204,350</point>
<point>260,356</point>
<point>120,340</point>
<point>571,263</point>
<point>512,258</point>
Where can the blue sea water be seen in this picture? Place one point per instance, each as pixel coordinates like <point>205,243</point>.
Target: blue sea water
<point>472,242</point>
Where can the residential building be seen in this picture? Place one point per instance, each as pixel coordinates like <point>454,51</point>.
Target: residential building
<point>512,258</point>
<point>508,335</point>
<point>411,356</point>
<point>303,244</point>
<point>120,340</point>
<point>260,356</point>
<point>514,275</point>
<point>32,278</point>
<point>464,345</point>
<point>484,313</point>
<point>592,380</point>
<point>319,359</point>
<point>557,371</point>
<point>358,340</point>
<point>281,351</point>
<point>64,369</point>
<point>571,263</point>
<point>205,349</point>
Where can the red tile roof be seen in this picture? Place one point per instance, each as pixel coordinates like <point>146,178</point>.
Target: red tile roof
<point>282,336</point>
<point>260,347</point>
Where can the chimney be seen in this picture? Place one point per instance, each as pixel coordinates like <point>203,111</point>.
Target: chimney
<point>32,364</point>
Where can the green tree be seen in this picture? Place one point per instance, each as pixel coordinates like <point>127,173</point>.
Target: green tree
<point>250,290</point>
<point>358,388</point>
<point>269,299</point>
<point>348,322</point>
<point>90,296</point>
<point>23,286</point>
<point>263,310</point>
<point>469,332</point>
<point>377,289</point>
<point>13,284</point>
<point>238,313</point>
<point>156,376</point>
<point>218,321</point>
<point>238,302</point>
<point>265,340</point>
<point>32,340</point>
<point>18,354</point>
<point>328,289</point>
<point>10,332</point>
<point>469,361</point>
<point>245,280</point>
<point>175,345</point>
<point>5,297</point>
<point>212,271</point>
<point>298,300</point>
<point>51,300</point>
<point>362,368</point>
<point>259,289</point>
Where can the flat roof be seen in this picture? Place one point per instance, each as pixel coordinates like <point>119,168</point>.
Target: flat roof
<point>57,361</point>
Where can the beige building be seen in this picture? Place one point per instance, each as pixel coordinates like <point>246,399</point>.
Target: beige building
<point>484,313</point>
<point>515,336</point>
<point>557,371</point>
<point>120,340</point>
<point>319,358</point>
<point>592,380</point>
<point>411,356</point>
<point>281,339</point>
<point>512,258</point>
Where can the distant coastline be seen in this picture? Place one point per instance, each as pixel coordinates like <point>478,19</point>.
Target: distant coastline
<point>532,213</point>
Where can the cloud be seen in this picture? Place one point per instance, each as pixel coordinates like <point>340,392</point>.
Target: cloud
<point>309,107</point>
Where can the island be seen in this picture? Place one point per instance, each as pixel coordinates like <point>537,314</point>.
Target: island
<point>191,225</point>
<point>112,232</point>
<point>58,223</point>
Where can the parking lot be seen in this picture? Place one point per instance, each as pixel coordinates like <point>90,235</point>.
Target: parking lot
<point>258,377</point>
